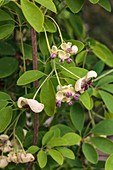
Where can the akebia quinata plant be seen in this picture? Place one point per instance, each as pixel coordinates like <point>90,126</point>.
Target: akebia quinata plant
<point>56,88</point>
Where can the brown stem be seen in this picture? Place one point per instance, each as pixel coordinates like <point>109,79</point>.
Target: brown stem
<point>35,67</point>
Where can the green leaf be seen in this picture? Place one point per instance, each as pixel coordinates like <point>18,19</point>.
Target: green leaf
<point>32,14</point>
<point>86,100</point>
<point>57,142</point>
<point>49,26</point>
<point>109,163</point>
<point>94,1</point>
<point>103,144</point>
<point>108,87</point>
<point>73,72</point>
<point>6,30</point>
<point>77,116</point>
<point>4,96</point>
<point>27,50</point>
<point>7,49</point>
<point>29,76</point>
<point>105,127</point>
<point>72,138</point>
<point>75,5</point>
<point>47,97</point>
<point>8,65</point>
<point>105,4</point>
<point>32,149</point>
<point>90,153</point>
<point>3,103</point>
<point>47,137</point>
<point>5,118</point>
<point>48,4</point>
<point>4,16</point>
<point>80,57</point>
<point>66,152</point>
<point>63,128</point>
<point>42,158</point>
<point>98,67</point>
<point>56,156</point>
<point>105,80</point>
<point>107,98</point>
<point>103,53</point>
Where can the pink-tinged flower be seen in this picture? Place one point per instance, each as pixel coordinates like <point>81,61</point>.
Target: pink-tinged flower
<point>64,94</point>
<point>53,52</point>
<point>83,83</point>
<point>69,48</point>
<point>34,105</point>
<point>3,161</point>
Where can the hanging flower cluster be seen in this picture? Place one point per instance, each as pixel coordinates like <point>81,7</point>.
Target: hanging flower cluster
<point>64,94</point>
<point>65,52</point>
<point>34,105</point>
<point>19,156</point>
<point>68,93</point>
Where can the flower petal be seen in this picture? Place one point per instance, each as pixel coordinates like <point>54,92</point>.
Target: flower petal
<point>64,46</point>
<point>35,105</point>
<point>74,49</point>
<point>21,101</point>
<point>54,49</point>
<point>90,75</point>
<point>78,84</point>
<point>59,95</point>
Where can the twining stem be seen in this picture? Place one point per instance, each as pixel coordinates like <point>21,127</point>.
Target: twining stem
<point>60,34</point>
<point>35,67</point>
<point>103,75</point>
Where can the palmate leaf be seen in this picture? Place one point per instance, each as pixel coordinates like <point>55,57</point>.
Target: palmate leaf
<point>42,158</point>
<point>56,155</point>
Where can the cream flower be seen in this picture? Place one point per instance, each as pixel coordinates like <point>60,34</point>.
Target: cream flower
<point>5,144</point>
<point>34,105</point>
<point>64,94</point>
<point>25,157</point>
<point>53,52</point>
<point>20,157</point>
<point>83,83</point>
<point>69,48</point>
<point>3,161</point>
<point>63,55</point>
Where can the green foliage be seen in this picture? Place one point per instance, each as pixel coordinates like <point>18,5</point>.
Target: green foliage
<point>34,16</point>
<point>5,118</point>
<point>67,134</point>
<point>90,153</point>
<point>8,66</point>
<point>102,144</point>
<point>48,4</point>
<point>47,97</point>
<point>77,116</point>
<point>109,163</point>
<point>29,76</point>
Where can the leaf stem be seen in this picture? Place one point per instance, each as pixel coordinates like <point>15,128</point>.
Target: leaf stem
<point>69,72</point>
<point>47,41</point>
<point>60,34</point>
<point>103,75</point>
<point>42,84</point>
<point>56,73</point>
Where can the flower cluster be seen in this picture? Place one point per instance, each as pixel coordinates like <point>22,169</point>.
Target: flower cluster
<point>34,105</point>
<point>68,93</point>
<point>65,52</point>
<point>19,156</point>
<point>64,94</point>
